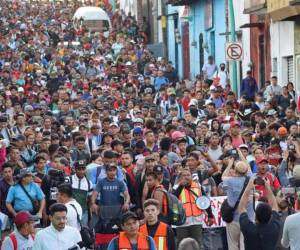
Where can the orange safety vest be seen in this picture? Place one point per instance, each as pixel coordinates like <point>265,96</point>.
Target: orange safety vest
<point>164,206</point>
<point>160,237</point>
<point>188,200</point>
<point>142,242</point>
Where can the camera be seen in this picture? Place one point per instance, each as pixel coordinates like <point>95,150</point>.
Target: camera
<point>234,153</point>
<point>259,181</point>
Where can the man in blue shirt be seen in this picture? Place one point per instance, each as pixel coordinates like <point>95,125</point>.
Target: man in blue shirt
<point>17,199</point>
<point>130,238</point>
<point>113,192</point>
<point>249,86</point>
<point>160,81</point>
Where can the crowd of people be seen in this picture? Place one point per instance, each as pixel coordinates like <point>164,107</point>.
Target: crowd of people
<point>104,147</point>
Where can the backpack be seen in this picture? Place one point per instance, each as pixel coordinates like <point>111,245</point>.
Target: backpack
<point>176,214</point>
<point>14,241</point>
<point>87,234</point>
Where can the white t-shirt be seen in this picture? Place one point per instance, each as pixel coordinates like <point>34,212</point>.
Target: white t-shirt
<point>223,78</point>
<point>72,215</point>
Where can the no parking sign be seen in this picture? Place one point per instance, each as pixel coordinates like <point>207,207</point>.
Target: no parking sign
<point>234,51</point>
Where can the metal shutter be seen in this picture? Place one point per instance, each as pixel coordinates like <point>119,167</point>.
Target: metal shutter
<point>290,64</point>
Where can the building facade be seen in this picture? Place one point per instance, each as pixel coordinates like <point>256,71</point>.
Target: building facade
<point>285,40</point>
<point>199,25</point>
<point>260,49</point>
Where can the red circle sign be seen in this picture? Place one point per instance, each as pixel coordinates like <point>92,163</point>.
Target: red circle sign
<point>234,51</point>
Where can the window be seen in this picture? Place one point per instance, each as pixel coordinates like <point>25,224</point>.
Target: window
<point>290,66</point>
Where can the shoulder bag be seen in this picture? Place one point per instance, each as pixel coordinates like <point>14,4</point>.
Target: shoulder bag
<point>35,203</point>
<point>227,212</point>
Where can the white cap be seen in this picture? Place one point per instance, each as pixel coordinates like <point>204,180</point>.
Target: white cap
<point>193,102</point>
<point>243,146</point>
<point>208,102</point>
<point>20,89</point>
<point>138,120</point>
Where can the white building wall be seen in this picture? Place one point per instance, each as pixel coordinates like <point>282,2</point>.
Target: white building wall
<point>282,41</point>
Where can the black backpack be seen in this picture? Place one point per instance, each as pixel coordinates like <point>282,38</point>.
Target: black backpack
<point>87,234</point>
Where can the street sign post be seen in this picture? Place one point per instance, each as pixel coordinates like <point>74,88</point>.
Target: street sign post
<point>234,51</point>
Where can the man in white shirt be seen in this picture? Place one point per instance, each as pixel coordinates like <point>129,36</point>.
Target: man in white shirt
<point>58,235</point>
<point>272,90</point>
<point>209,69</point>
<point>223,75</point>
<point>65,196</point>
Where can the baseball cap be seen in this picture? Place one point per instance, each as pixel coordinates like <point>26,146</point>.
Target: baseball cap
<point>127,216</point>
<point>193,102</point>
<point>243,146</point>
<point>261,159</point>
<point>282,131</point>
<point>122,108</point>
<point>110,166</point>
<point>137,130</point>
<point>177,135</point>
<point>158,169</point>
<point>23,217</point>
<point>20,89</point>
<point>24,172</point>
<point>28,108</point>
<point>138,120</point>
<point>271,112</point>
<point>113,124</point>
<point>80,163</point>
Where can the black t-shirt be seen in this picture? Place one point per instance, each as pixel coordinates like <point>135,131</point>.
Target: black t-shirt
<point>260,236</point>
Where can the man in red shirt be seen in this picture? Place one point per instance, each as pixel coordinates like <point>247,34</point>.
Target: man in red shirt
<point>235,132</point>
<point>263,172</point>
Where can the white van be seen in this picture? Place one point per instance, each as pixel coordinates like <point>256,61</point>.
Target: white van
<point>93,18</point>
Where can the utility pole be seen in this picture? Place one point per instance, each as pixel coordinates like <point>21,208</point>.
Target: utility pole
<point>233,39</point>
